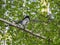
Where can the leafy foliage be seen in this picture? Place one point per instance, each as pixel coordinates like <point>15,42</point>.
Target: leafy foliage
<point>15,10</point>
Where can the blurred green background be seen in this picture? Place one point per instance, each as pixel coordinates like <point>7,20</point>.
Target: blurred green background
<point>15,10</point>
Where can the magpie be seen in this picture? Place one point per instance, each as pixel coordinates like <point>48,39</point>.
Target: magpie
<point>24,21</point>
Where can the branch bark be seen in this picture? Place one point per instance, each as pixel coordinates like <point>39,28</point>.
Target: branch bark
<point>26,30</point>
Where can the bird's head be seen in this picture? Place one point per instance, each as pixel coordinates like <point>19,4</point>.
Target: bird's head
<point>27,17</point>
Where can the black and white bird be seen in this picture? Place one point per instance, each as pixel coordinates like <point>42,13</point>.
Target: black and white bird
<point>24,21</point>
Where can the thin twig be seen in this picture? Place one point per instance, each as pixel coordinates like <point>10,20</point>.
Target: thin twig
<point>26,30</point>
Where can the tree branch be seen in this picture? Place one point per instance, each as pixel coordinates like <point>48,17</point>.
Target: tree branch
<point>26,30</point>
